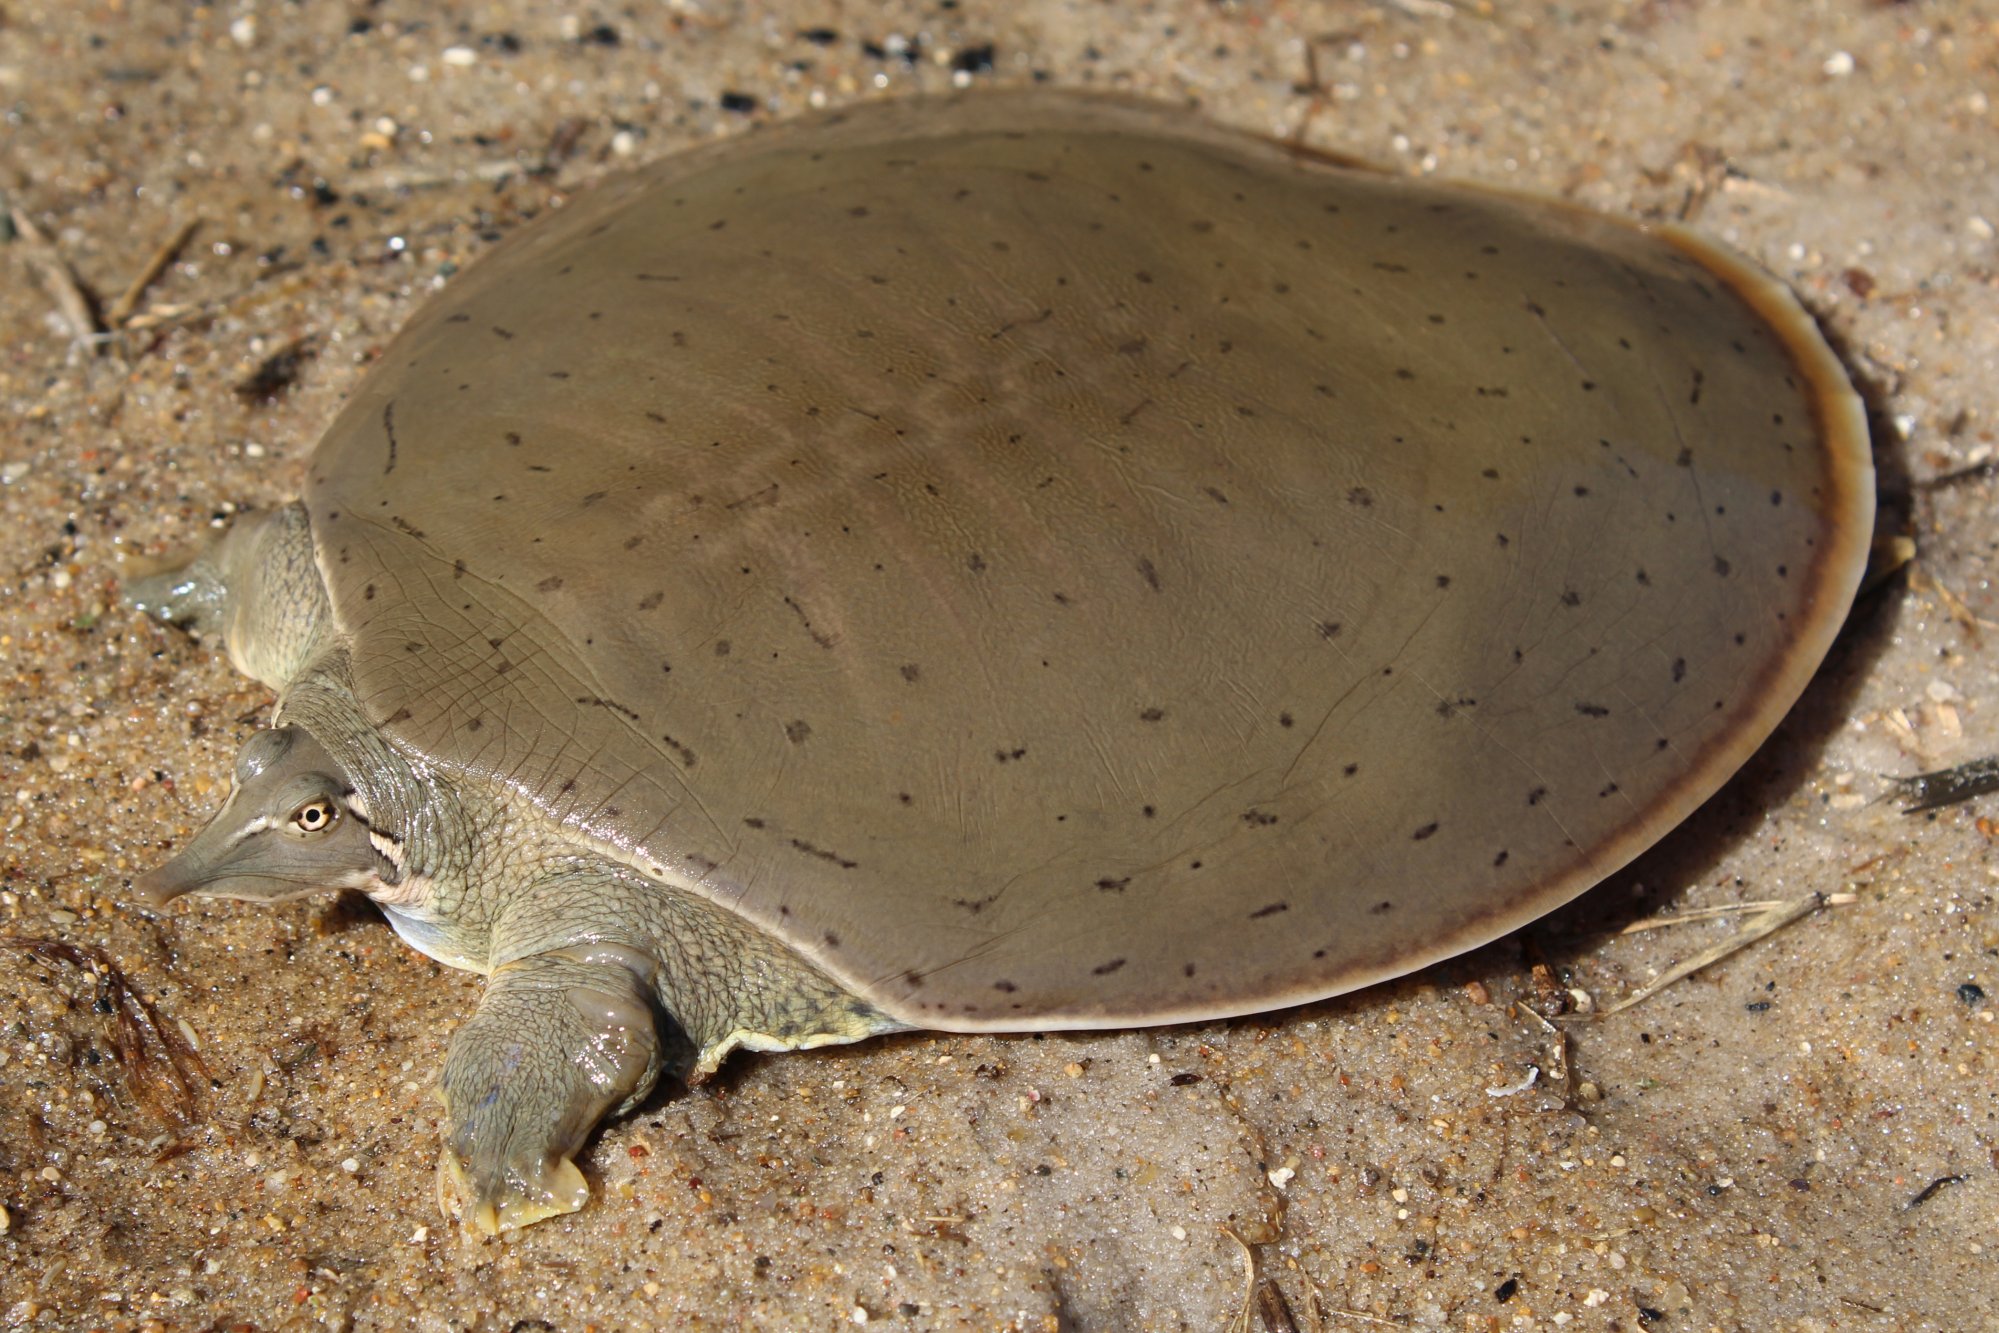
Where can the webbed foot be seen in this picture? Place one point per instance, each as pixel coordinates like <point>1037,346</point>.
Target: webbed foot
<point>559,1040</point>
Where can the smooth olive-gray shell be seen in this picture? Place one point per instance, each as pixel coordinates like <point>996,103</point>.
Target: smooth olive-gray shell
<point>1057,564</point>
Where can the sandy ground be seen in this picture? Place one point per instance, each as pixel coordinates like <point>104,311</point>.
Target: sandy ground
<point>1801,1137</point>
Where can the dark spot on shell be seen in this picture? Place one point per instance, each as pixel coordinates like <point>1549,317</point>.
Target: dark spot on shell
<point>549,584</point>
<point>651,600</point>
<point>1351,769</point>
<point>1271,909</point>
<point>1536,796</point>
<point>1722,567</point>
<point>976,563</point>
<point>1501,859</point>
<point>1150,574</point>
<point>1592,710</point>
<point>1424,832</point>
<point>1110,885</point>
<point>1361,496</point>
<point>1285,720</point>
<point>1328,628</point>
<point>797,731</point>
<point>721,647</point>
<point>1679,669</point>
<point>685,755</point>
<point>1570,597</point>
<point>911,672</point>
<point>1152,715</point>
<point>1258,818</point>
<point>1105,969</point>
<point>799,844</point>
<point>832,940</point>
<point>1383,906</point>
<point>751,821</point>
<point>1008,756</point>
<point>1006,987</point>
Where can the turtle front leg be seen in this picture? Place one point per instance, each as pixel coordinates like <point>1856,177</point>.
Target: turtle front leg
<point>560,1039</point>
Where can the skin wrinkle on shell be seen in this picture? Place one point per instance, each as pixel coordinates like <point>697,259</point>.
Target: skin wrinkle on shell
<point>957,455</point>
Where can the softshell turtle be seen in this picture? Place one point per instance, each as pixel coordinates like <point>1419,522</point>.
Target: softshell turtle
<point>1015,562</point>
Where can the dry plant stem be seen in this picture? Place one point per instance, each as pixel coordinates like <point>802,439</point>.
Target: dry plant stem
<point>1773,919</point>
<point>72,302</point>
<point>128,301</point>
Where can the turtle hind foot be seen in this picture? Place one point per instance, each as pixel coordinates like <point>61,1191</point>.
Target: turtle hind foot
<point>796,1026</point>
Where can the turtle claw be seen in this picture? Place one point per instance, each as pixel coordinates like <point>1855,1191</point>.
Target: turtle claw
<point>490,1203</point>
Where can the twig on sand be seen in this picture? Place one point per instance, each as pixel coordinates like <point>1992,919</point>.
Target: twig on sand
<point>1774,917</point>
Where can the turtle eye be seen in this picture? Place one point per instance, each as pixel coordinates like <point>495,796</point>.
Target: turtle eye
<point>315,816</point>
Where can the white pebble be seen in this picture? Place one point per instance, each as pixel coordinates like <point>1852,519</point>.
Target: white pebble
<point>1839,64</point>
<point>460,57</point>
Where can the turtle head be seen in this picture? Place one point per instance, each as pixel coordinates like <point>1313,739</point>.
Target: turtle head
<point>290,826</point>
